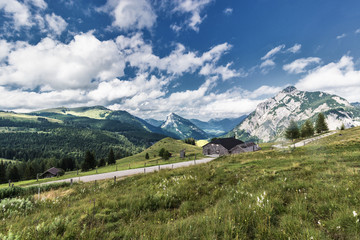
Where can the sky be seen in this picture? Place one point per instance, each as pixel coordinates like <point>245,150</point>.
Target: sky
<point>200,59</point>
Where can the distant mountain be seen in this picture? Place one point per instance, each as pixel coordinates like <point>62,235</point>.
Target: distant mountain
<point>182,127</point>
<point>154,122</point>
<point>356,104</point>
<point>27,137</point>
<point>217,127</point>
<point>271,117</point>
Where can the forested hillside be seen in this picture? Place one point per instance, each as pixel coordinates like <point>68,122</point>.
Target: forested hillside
<point>40,142</point>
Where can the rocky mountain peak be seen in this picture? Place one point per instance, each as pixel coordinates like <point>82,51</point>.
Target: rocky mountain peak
<point>289,89</point>
<point>271,117</point>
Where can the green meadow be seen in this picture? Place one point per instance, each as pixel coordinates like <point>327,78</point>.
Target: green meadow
<point>311,192</point>
<point>135,161</point>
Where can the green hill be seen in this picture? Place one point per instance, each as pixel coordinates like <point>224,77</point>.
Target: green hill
<point>311,192</point>
<point>169,144</point>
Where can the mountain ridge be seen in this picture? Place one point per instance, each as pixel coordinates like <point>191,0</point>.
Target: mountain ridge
<point>271,117</point>
<point>182,127</point>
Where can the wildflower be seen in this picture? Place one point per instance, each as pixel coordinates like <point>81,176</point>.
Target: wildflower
<point>338,227</point>
<point>319,222</point>
<point>354,213</point>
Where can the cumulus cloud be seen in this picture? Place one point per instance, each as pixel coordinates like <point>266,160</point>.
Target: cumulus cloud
<point>273,52</point>
<point>224,71</point>
<point>294,49</point>
<point>194,8</point>
<point>130,14</point>
<point>5,48</point>
<point>340,78</point>
<point>232,103</point>
<point>299,65</point>
<point>29,15</point>
<point>267,63</point>
<point>87,71</point>
<point>41,4</point>
<point>52,65</point>
<point>17,11</point>
<point>139,54</point>
<point>56,23</point>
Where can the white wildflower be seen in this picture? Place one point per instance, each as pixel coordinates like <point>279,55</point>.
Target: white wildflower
<point>355,213</point>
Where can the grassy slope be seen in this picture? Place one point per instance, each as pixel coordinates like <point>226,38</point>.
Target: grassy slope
<point>135,161</point>
<point>25,117</point>
<point>309,193</point>
<point>7,160</point>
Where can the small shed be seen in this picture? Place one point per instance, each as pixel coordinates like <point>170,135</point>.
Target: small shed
<point>52,172</point>
<point>182,153</point>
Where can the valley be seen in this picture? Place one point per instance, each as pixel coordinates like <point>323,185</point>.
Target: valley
<point>262,193</point>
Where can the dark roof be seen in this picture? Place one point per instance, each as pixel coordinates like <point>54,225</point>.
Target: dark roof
<point>227,143</point>
<point>248,144</point>
<point>54,171</point>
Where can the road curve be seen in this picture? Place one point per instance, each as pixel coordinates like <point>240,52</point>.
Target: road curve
<point>129,172</point>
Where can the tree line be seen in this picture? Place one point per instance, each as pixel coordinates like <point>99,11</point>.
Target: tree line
<point>307,129</point>
<point>20,170</point>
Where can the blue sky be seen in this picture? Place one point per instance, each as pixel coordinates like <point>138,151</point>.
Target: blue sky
<point>198,58</point>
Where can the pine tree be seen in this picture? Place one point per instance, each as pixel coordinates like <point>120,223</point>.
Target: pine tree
<point>102,162</point>
<point>161,152</point>
<point>321,125</point>
<point>147,156</point>
<point>2,172</point>
<point>307,129</point>
<point>111,157</point>
<point>166,155</point>
<point>342,127</point>
<point>14,174</point>
<point>292,132</point>
<point>89,161</point>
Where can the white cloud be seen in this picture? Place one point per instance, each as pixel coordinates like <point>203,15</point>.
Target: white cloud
<point>267,63</point>
<point>273,52</point>
<point>18,11</point>
<point>5,48</point>
<point>299,65</point>
<point>357,31</point>
<point>193,7</point>
<point>341,36</point>
<point>54,65</point>
<point>37,3</point>
<point>56,23</point>
<point>117,89</point>
<point>131,14</point>
<point>232,103</point>
<point>224,71</point>
<point>26,101</point>
<point>295,49</point>
<point>87,71</point>
<point>340,78</point>
<point>179,61</point>
<point>228,11</point>
<point>175,27</point>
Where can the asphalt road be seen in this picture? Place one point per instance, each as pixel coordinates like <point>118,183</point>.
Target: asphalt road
<point>129,172</point>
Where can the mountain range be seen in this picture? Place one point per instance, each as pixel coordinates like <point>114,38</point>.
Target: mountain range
<point>61,132</point>
<point>271,117</point>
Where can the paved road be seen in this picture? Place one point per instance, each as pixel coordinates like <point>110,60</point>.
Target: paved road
<point>306,141</point>
<point>130,172</point>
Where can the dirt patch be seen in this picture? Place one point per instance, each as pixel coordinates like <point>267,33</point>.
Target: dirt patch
<point>53,194</point>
